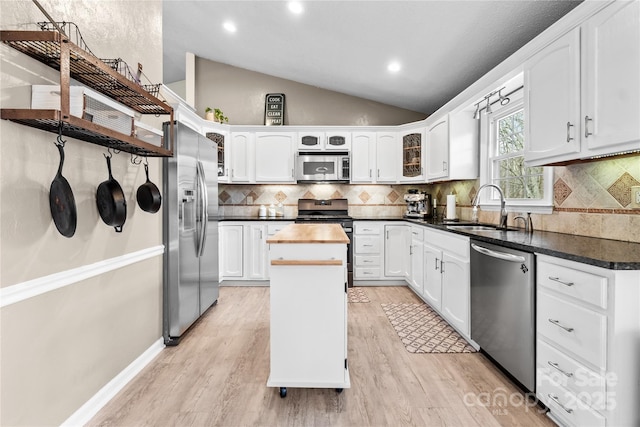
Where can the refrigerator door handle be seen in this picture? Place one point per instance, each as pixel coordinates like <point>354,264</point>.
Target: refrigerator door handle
<point>204,200</point>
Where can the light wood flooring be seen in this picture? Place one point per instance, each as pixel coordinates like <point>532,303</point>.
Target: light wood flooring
<point>217,377</point>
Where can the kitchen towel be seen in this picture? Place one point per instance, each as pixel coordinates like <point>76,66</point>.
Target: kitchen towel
<point>451,206</point>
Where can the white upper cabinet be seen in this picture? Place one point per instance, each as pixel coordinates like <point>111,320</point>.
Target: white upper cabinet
<point>611,101</point>
<point>437,140</point>
<point>387,153</point>
<point>242,157</point>
<point>310,141</point>
<point>315,141</point>
<point>363,157</point>
<point>552,103</point>
<point>275,156</point>
<point>582,91</point>
<point>452,147</point>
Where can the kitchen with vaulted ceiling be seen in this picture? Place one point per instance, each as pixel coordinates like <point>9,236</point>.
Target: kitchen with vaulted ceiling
<point>251,227</point>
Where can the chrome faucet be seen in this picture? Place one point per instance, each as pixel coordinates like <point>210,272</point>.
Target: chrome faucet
<point>503,210</point>
<point>528,223</point>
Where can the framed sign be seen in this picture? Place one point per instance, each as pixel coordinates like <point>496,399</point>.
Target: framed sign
<point>274,109</point>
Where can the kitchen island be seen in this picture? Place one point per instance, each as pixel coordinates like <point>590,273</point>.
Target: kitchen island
<point>308,295</point>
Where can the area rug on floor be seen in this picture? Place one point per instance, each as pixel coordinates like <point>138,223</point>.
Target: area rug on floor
<point>422,330</point>
<point>356,294</point>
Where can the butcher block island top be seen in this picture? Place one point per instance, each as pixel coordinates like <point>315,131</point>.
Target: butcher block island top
<point>310,233</point>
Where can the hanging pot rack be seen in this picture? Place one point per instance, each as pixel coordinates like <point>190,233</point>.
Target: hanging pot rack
<point>55,49</point>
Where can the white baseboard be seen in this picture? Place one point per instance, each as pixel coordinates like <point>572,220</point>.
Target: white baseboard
<point>87,411</point>
<point>32,288</point>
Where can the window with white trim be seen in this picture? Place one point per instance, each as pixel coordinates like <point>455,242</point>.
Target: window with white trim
<point>502,161</point>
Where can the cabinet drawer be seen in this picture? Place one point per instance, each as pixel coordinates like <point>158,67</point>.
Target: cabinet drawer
<point>366,228</point>
<point>274,228</point>
<point>449,242</point>
<point>367,245</point>
<point>367,273</point>
<point>566,405</point>
<point>367,261</point>
<point>417,233</point>
<point>579,284</point>
<point>577,329</point>
<point>572,375</point>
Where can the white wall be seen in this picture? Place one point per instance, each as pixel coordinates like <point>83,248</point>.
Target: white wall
<point>60,347</point>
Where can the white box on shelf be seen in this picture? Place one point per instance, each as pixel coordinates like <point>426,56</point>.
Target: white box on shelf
<point>87,104</point>
<point>147,133</point>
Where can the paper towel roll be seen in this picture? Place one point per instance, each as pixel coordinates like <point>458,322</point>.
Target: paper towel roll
<point>451,206</point>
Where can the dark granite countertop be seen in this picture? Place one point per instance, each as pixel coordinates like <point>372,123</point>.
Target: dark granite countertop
<point>605,253</point>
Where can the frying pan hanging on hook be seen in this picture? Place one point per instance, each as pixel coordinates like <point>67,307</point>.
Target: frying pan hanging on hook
<point>112,204</point>
<point>148,194</point>
<point>62,203</point>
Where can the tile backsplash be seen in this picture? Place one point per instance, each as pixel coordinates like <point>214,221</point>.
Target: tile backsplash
<point>591,199</point>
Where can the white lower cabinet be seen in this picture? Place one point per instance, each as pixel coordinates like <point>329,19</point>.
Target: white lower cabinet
<point>243,249</point>
<point>396,251</point>
<point>381,250</point>
<point>230,251</point>
<point>455,291</point>
<point>416,251</point>
<point>445,263</point>
<point>255,251</point>
<point>587,352</point>
<point>432,290</point>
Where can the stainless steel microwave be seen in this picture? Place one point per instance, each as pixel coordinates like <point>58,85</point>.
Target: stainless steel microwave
<point>322,167</point>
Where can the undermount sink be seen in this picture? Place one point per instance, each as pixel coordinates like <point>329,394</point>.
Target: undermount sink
<point>476,227</point>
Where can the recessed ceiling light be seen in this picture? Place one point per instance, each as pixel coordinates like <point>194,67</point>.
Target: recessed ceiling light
<point>295,7</point>
<point>229,26</point>
<point>393,67</point>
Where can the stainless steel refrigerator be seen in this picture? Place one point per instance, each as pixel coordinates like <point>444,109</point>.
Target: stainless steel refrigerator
<point>190,230</point>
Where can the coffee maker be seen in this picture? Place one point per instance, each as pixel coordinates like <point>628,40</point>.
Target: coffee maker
<point>418,204</point>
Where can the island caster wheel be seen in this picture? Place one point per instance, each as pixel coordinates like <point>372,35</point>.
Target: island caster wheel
<point>338,390</point>
<point>283,392</point>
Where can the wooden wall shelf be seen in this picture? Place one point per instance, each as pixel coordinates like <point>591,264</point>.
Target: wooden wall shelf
<point>55,50</point>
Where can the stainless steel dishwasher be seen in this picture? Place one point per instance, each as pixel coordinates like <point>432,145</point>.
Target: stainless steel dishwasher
<point>503,308</point>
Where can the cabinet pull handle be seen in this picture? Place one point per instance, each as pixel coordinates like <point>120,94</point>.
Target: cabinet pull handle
<point>378,173</point>
<point>436,264</point>
<point>226,172</point>
<point>367,261</point>
<point>442,266</point>
<point>557,279</point>
<point>569,126</point>
<point>367,246</point>
<point>411,250</point>
<point>555,399</point>
<point>444,166</point>
<point>557,367</point>
<point>370,173</point>
<point>557,323</point>
<point>586,126</point>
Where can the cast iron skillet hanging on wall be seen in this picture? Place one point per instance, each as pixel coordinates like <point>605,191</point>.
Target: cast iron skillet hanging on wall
<point>148,195</point>
<point>111,202</point>
<point>61,201</point>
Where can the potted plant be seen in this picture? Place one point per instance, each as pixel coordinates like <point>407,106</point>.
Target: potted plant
<point>215,115</point>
